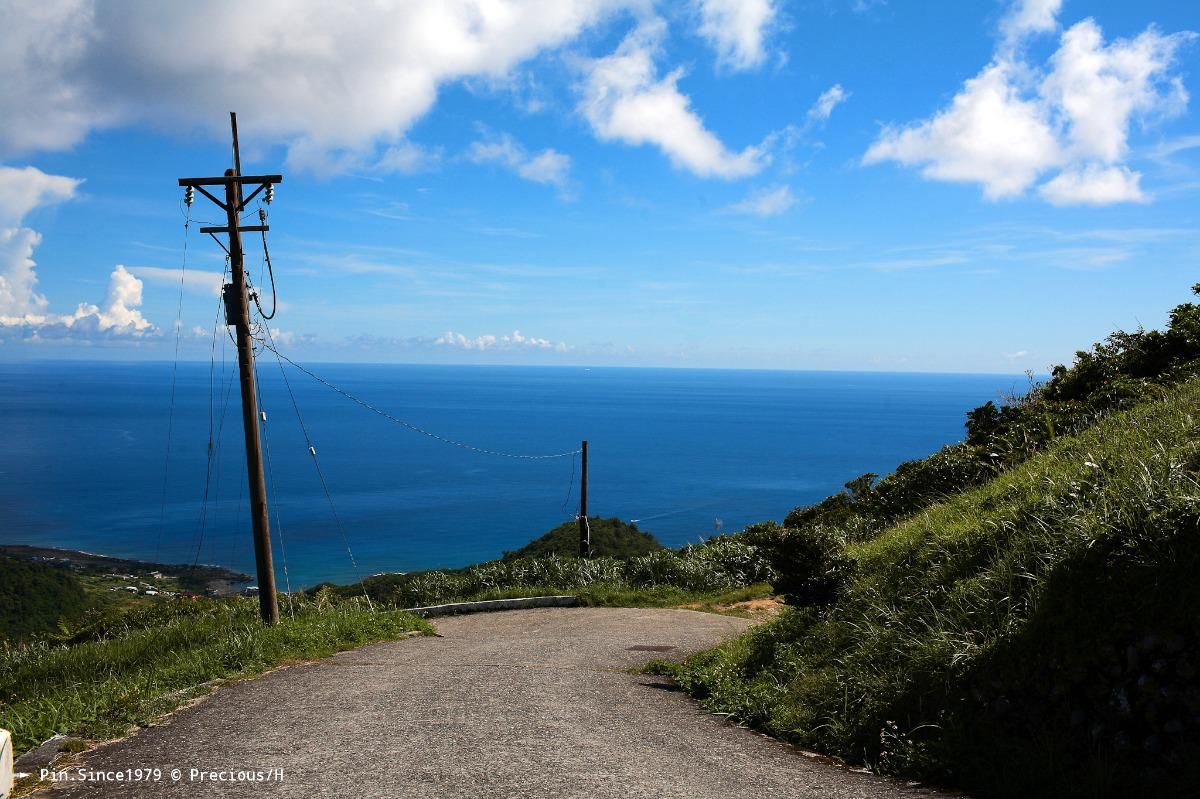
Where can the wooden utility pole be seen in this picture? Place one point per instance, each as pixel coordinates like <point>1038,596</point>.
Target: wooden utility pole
<point>237,314</point>
<point>585,532</point>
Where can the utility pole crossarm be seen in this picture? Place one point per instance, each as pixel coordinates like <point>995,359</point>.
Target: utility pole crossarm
<point>239,180</point>
<point>241,229</point>
<point>225,179</point>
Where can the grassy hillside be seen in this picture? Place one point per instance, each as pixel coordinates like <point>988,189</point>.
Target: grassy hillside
<point>1020,625</point>
<point>36,597</point>
<point>610,538</point>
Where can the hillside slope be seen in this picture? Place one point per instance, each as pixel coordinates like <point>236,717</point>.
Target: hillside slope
<point>1038,635</point>
<point>610,538</point>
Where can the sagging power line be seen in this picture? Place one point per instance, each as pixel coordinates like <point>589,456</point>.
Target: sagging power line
<point>235,297</point>
<point>379,411</point>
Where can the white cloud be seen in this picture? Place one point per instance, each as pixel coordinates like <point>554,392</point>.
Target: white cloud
<point>766,202</point>
<point>23,189</point>
<point>989,135</point>
<point>198,280</point>
<point>120,309</point>
<point>339,87</point>
<point>23,311</point>
<point>625,100</point>
<point>18,274</point>
<point>736,30</point>
<point>1097,89</point>
<point>830,99</point>
<point>1094,185</point>
<point>1016,121</point>
<point>511,341</point>
<point>119,316</point>
<point>548,166</point>
<point>1027,17</point>
<point>342,90</point>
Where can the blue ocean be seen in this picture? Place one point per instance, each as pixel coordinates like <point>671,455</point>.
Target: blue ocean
<point>97,457</point>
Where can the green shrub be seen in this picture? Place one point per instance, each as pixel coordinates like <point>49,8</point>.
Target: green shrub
<point>810,563</point>
<point>36,598</point>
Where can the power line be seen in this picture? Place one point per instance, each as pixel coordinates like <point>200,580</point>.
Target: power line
<point>262,217</point>
<point>312,451</point>
<point>214,448</point>
<point>483,451</point>
<point>287,580</point>
<point>162,511</point>
<point>570,486</point>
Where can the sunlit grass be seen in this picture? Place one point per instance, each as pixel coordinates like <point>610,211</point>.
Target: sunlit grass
<point>982,640</point>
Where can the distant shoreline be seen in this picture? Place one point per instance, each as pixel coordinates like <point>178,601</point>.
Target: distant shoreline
<point>218,578</point>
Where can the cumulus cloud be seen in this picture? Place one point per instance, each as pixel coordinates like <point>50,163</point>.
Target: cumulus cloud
<point>548,166</point>
<point>340,87</point>
<point>511,341</point>
<point>737,30</point>
<point>830,99</point>
<point>21,191</point>
<point>624,99</point>
<point>989,135</point>
<point>341,90</point>
<point>119,317</point>
<point>766,202</point>
<point>1098,89</point>
<point>1094,185</point>
<point>18,274</point>
<point>24,312</point>
<point>1017,121</point>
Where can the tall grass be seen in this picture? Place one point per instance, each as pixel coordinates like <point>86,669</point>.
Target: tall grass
<point>1037,636</point>
<point>717,565</point>
<point>129,669</point>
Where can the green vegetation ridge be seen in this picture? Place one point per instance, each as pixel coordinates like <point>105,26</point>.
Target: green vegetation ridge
<point>610,538</point>
<point>1017,614</point>
<point>694,573</point>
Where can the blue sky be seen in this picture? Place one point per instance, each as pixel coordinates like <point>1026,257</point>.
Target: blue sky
<point>929,186</point>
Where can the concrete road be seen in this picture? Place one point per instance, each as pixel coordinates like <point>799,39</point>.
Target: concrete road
<point>532,703</point>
